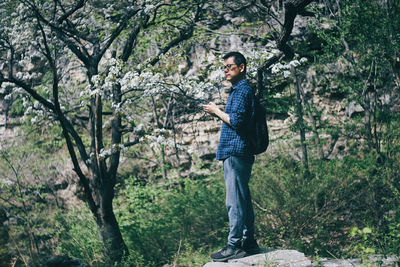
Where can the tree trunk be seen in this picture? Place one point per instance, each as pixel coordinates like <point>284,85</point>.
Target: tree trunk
<point>299,108</point>
<point>313,124</point>
<point>104,179</point>
<point>367,119</point>
<point>99,192</point>
<point>292,9</point>
<point>109,232</point>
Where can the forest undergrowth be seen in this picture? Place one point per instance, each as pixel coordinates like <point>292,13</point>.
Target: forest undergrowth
<point>346,208</point>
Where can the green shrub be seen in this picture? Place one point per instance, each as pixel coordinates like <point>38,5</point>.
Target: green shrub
<point>364,245</point>
<point>391,239</point>
<point>163,222</point>
<point>315,216</point>
<point>27,201</point>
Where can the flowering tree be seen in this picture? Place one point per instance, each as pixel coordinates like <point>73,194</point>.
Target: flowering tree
<point>45,43</point>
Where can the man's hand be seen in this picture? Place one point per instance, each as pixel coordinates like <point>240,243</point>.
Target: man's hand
<point>213,109</point>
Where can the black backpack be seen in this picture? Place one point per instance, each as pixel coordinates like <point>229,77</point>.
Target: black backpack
<point>257,135</point>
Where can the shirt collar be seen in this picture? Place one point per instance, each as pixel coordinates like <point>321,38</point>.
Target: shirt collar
<point>239,83</point>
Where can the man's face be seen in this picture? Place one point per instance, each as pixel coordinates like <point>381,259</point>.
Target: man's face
<point>232,71</point>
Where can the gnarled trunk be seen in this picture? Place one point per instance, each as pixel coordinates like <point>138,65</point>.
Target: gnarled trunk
<point>109,232</point>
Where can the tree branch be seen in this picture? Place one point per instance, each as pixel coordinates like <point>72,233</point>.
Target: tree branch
<point>292,9</point>
<point>78,5</point>
<point>116,135</point>
<point>81,176</point>
<point>31,92</point>
<point>116,33</point>
<point>134,142</point>
<point>98,134</point>
<point>79,51</point>
<point>65,124</point>
<point>131,40</point>
<point>184,34</point>
<point>156,10</point>
<point>260,71</point>
<point>252,3</point>
<point>130,43</point>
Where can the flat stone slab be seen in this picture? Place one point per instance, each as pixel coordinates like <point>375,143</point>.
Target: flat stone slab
<point>268,257</point>
<point>293,258</point>
<point>376,260</point>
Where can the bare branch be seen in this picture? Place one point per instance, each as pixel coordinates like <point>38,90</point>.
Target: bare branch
<point>31,92</point>
<point>116,135</point>
<point>98,134</point>
<point>183,35</point>
<point>252,3</point>
<point>131,41</point>
<point>116,33</point>
<point>156,11</point>
<point>79,51</point>
<point>65,124</point>
<point>78,171</point>
<point>78,5</point>
<point>132,143</point>
<point>292,9</point>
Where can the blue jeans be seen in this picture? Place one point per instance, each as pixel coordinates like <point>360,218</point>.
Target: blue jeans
<point>238,200</point>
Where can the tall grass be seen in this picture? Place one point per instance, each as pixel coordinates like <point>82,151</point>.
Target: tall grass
<point>316,215</point>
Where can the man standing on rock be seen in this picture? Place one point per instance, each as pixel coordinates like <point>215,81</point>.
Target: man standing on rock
<point>237,159</point>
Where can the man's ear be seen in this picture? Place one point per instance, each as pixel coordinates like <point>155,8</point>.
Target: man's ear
<point>241,67</point>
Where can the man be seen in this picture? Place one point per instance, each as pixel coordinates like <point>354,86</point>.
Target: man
<point>237,159</point>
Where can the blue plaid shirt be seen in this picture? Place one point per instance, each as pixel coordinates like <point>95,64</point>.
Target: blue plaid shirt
<point>239,107</point>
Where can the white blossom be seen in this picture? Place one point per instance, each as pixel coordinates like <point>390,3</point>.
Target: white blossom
<point>122,147</point>
<point>139,128</point>
<point>28,110</point>
<point>8,97</point>
<point>276,68</point>
<point>104,153</point>
<point>303,60</point>
<point>95,92</point>
<point>149,8</point>
<point>286,73</point>
<point>294,63</point>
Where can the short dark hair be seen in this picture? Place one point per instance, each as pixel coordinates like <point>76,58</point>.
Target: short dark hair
<point>238,58</point>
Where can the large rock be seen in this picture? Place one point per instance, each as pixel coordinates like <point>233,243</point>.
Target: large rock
<point>293,258</point>
<point>353,109</point>
<point>269,257</point>
<point>376,260</point>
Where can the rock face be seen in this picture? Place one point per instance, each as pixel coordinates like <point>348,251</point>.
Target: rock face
<point>292,258</point>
